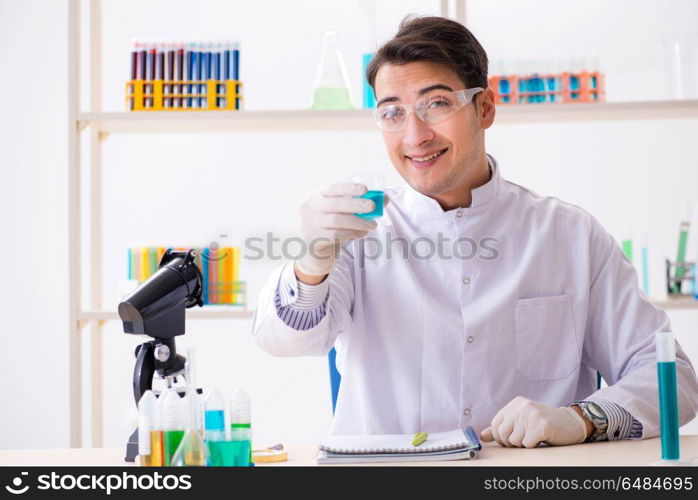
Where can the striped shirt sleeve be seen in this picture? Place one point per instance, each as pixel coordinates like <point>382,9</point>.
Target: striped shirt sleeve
<point>298,305</point>
<point>621,424</point>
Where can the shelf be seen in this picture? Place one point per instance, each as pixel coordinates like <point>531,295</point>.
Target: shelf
<point>228,121</point>
<point>605,111</point>
<point>213,312</point>
<point>679,303</point>
<point>361,119</point>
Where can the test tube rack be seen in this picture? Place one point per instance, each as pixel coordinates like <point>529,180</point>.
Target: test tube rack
<point>221,288</point>
<point>184,95</point>
<point>548,88</point>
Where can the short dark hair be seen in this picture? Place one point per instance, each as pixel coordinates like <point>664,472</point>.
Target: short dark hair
<point>438,40</point>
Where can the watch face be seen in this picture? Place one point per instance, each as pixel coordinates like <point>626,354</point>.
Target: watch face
<point>595,411</point>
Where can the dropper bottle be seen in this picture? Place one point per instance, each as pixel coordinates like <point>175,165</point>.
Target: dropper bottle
<point>241,426</point>
<point>217,435</point>
<point>214,417</point>
<point>173,412</point>
<point>149,431</point>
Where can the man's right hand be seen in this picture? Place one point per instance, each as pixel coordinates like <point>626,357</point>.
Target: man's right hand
<point>327,222</point>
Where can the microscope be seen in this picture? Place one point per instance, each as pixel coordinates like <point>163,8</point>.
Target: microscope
<point>157,309</point>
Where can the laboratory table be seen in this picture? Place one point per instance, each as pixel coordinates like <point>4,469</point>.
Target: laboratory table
<point>604,453</point>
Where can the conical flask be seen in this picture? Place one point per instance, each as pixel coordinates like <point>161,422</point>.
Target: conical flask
<point>331,89</point>
<point>192,450</point>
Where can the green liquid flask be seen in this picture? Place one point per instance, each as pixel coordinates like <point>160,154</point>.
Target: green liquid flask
<point>331,89</point>
<point>192,450</point>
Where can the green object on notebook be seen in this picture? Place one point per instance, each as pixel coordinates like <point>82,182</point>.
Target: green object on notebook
<point>419,438</point>
<point>459,444</point>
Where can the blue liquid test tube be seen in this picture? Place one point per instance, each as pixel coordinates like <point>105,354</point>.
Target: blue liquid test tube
<point>668,400</point>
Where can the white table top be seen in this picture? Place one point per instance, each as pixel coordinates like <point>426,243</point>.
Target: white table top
<point>615,453</point>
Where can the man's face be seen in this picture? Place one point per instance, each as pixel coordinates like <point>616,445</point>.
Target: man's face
<point>458,141</point>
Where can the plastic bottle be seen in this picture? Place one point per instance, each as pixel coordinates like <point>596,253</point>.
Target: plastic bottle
<point>173,423</point>
<point>241,427</point>
<point>221,448</point>
<point>149,431</point>
<point>331,89</point>
<point>197,400</point>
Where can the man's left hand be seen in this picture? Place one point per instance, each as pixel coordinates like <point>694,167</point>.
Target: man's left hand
<point>526,423</point>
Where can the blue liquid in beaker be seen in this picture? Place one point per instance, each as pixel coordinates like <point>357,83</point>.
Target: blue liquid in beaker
<point>377,198</point>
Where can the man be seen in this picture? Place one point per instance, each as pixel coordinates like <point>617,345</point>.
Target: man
<point>504,327</point>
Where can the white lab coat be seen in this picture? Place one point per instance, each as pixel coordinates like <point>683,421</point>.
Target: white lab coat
<point>434,344</point>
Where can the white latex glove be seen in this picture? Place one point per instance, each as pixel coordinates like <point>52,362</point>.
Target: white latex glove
<point>526,423</point>
<point>327,223</point>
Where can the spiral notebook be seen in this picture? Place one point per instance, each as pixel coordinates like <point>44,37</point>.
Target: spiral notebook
<point>453,445</point>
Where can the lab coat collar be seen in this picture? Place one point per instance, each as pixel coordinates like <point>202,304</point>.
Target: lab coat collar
<point>425,206</point>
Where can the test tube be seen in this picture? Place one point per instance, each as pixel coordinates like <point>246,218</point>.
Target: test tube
<point>681,256</point>
<point>668,400</point>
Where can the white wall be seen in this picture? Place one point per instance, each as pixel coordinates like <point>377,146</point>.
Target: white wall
<point>33,219</point>
<point>249,184</point>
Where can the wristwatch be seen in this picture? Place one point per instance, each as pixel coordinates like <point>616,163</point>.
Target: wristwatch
<point>597,416</point>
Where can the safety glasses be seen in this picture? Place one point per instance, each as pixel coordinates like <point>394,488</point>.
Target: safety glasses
<point>433,108</point>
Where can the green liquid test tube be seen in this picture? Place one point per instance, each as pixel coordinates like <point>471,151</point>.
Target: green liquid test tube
<point>681,256</point>
<point>628,249</point>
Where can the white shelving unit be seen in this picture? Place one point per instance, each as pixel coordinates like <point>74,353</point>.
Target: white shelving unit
<point>101,124</point>
<point>361,119</point>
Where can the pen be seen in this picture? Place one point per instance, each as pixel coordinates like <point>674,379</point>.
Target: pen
<point>470,432</point>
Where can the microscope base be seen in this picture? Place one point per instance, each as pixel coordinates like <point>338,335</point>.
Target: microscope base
<point>132,447</point>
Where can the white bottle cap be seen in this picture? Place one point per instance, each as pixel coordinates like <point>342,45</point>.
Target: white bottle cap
<point>666,348</point>
<point>172,409</point>
<point>240,407</point>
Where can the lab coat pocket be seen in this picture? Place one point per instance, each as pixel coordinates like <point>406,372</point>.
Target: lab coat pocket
<point>546,344</point>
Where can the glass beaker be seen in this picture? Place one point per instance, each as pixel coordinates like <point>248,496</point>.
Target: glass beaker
<point>374,185</point>
<point>681,52</point>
